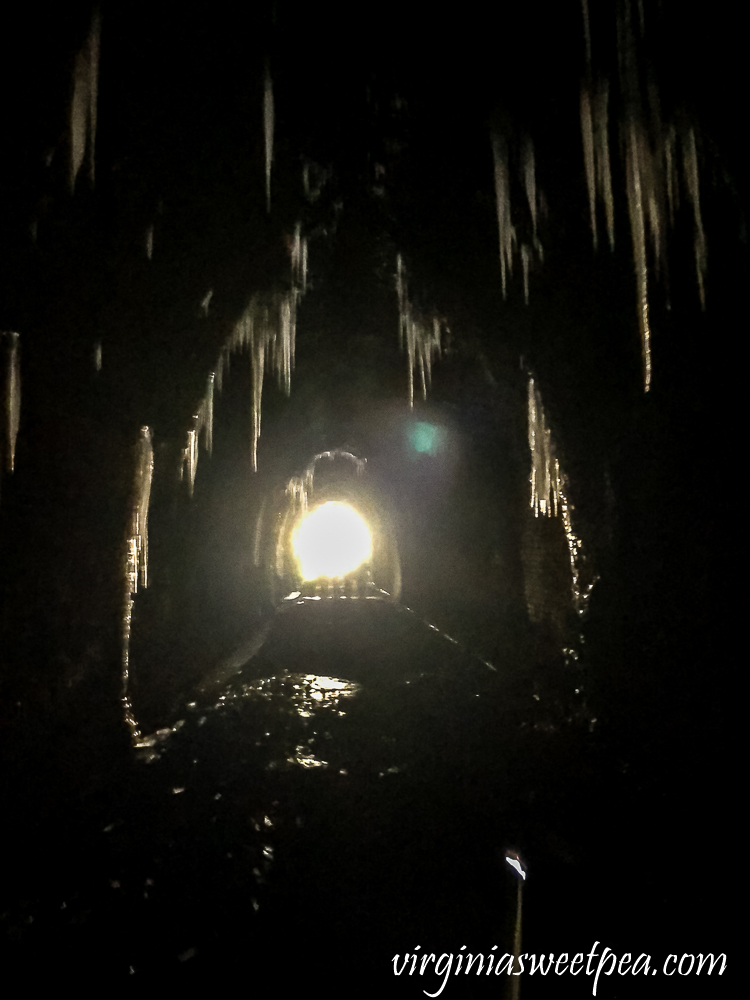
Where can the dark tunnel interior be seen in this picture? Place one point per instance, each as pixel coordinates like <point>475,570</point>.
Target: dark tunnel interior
<point>475,272</point>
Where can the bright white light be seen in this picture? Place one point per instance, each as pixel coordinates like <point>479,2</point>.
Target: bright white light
<point>515,863</point>
<point>331,541</point>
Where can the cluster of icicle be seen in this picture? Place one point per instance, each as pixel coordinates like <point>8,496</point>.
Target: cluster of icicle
<point>421,336</point>
<point>136,557</point>
<point>84,104</point>
<point>651,149</point>
<point>548,493</point>
<point>506,228</point>
<point>267,330</point>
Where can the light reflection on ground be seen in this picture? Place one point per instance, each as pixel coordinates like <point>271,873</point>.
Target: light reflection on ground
<point>306,693</point>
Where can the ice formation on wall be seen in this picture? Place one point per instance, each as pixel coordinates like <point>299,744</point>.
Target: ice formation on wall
<point>307,482</point>
<point>649,147</point>
<point>507,232</point>
<point>421,335</point>
<point>83,107</point>
<point>12,398</point>
<point>138,525</point>
<point>548,496</point>
<point>652,179</point>
<point>544,492</point>
<point>267,331</point>
<point>203,422</point>
<point>136,556</point>
<point>595,133</point>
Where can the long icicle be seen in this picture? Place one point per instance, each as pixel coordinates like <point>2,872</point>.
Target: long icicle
<point>94,44</point>
<point>506,233</point>
<point>587,133</point>
<point>422,338</point>
<point>268,131</point>
<point>529,180</point>
<point>638,232</point>
<point>690,157</point>
<point>136,561</point>
<point>12,399</point>
<point>601,154</point>
<point>83,105</point>
<point>548,494</point>
<point>586,30</point>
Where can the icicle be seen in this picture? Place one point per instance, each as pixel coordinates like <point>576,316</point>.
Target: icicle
<point>529,179</point>
<point>268,329</point>
<point>12,399</point>
<point>525,256</point>
<point>422,339</point>
<point>207,415</point>
<point>587,132</point>
<point>502,195</point>
<point>205,301</point>
<point>690,158</point>
<point>285,325</point>
<point>136,560</point>
<point>601,154</point>
<point>127,708</point>
<point>401,290</point>
<point>299,259</point>
<point>190,454</point>
<point>150,242</point>
<point>586,29</point>
<point>98,355</point>
<point>638,232</point>
<point>83,109</point>
<point>138,533</point>
<point>268,131</point>
<point>296,252</point>
<point>258,370</point>
<point>422,378</point>
<point>78,117</point>
<point>410,350</point>
<point>93,93</point>
<point>580,592</point>
<point>544,496</point>
<point>548,494</point>
<point>221,364</point>
<point>670,169</point>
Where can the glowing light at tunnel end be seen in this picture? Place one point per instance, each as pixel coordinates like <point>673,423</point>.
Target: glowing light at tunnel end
<point>331,541</point>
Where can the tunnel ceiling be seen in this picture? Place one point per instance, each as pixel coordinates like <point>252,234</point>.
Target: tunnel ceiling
<point>488,151</point>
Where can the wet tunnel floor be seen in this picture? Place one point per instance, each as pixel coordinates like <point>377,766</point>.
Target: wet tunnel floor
<point>348,795</point>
